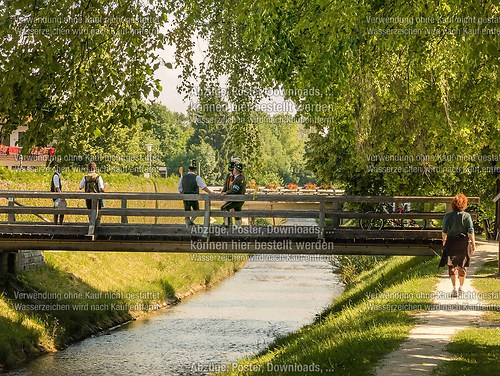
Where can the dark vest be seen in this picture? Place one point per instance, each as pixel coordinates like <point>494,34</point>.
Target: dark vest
<point>91,183</point>
<point>189,185</point>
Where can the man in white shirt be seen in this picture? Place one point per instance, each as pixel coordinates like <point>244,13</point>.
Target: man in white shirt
<point>191,183</point>
<point>56,186</point>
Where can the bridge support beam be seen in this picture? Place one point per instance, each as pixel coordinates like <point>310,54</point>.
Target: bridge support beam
<point>225,246</point>
<point>3,262</point>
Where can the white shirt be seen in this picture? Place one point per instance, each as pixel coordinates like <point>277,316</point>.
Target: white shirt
<point>100,183</point>
<point>57,181</point>
<point>199,181</point>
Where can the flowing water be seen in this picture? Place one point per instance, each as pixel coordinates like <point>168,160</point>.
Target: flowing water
<point>237,318</point>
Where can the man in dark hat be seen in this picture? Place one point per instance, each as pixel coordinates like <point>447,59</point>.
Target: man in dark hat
<point>230,177</point>
<point>237,187</point>
<point>191,184</point>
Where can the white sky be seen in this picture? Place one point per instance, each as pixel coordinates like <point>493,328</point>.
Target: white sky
<point>169,81</point>
<point>174,101</point>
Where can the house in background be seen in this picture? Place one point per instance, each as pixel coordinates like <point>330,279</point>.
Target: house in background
<point>14,157</point>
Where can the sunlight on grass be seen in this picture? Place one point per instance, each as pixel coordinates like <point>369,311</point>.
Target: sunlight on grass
<point>352,335</point>
<point>476,352</point>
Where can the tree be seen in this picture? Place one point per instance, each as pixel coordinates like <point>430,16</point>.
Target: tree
<point>387,87</point>
<point>83,67</point>
<point>282,156</point>
<point>172,132</point>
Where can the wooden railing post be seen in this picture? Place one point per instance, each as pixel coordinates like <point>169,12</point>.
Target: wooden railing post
<point>336,219</point>
<point>448,207</point>
<point>11,216</point>
<point>124,206</point>
<point>321,219</point>
<point>93,218</point>
<point>206,221</point>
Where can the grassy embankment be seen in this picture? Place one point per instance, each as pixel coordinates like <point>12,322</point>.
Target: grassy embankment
<point>78,281</point>
<point>476,350</point>
<point>365,323</point>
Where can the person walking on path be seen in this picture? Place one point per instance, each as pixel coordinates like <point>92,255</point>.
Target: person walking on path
<point>425,347</point>
<point>237,187</point>
<point>458,242</point>
<point>92,183</point>
<point>59,203</point>
<point>191,183</point>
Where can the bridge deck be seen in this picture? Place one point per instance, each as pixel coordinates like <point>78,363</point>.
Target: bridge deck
<point>246,239</point>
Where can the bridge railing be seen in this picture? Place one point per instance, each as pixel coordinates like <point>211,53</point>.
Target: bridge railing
<point>322,208</point>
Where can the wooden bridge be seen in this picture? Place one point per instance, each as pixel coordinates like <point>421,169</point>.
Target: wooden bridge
<point>154,222</point>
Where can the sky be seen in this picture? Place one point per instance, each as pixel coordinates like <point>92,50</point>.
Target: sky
<point>169,79</point>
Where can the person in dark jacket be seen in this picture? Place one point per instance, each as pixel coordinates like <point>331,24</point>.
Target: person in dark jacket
<point>458,242</point>
<point>191,184</point>
<point>237,187</point>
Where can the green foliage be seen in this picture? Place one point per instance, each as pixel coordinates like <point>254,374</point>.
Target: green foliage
<point>77,69</point>
<point>270,147</point>
<point>169,132</point>
<point>204,136</point>
<point>401,98</point>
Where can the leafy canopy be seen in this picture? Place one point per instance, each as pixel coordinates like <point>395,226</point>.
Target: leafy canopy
<point>401,97</point>
<point>77,67</point>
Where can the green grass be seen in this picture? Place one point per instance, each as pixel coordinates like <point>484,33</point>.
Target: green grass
<point>486,283</point>
<point>136,283</point>
<point>476,350</point>
<point>364,324</point>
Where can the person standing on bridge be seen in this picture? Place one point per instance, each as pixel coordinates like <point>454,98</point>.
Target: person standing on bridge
<point>191,184</point>
<point>92,183</point>
<point>59,203</point>
<point>230,177</point>
<point>237,187</point>
<point>458,242</point>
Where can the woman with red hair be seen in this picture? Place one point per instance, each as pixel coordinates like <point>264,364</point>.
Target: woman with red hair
<point>458,231</point>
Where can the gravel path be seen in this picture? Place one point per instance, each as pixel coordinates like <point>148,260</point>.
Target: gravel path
<point>424,349</point>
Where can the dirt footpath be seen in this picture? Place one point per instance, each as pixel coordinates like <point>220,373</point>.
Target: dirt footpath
<point>423,350</point>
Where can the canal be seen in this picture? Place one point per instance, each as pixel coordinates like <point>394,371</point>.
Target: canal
<point>237,318</point>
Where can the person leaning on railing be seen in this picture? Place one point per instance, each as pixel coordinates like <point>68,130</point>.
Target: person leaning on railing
<point>60,203</point>
<point>237,187</point>
<point>458,242</point>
